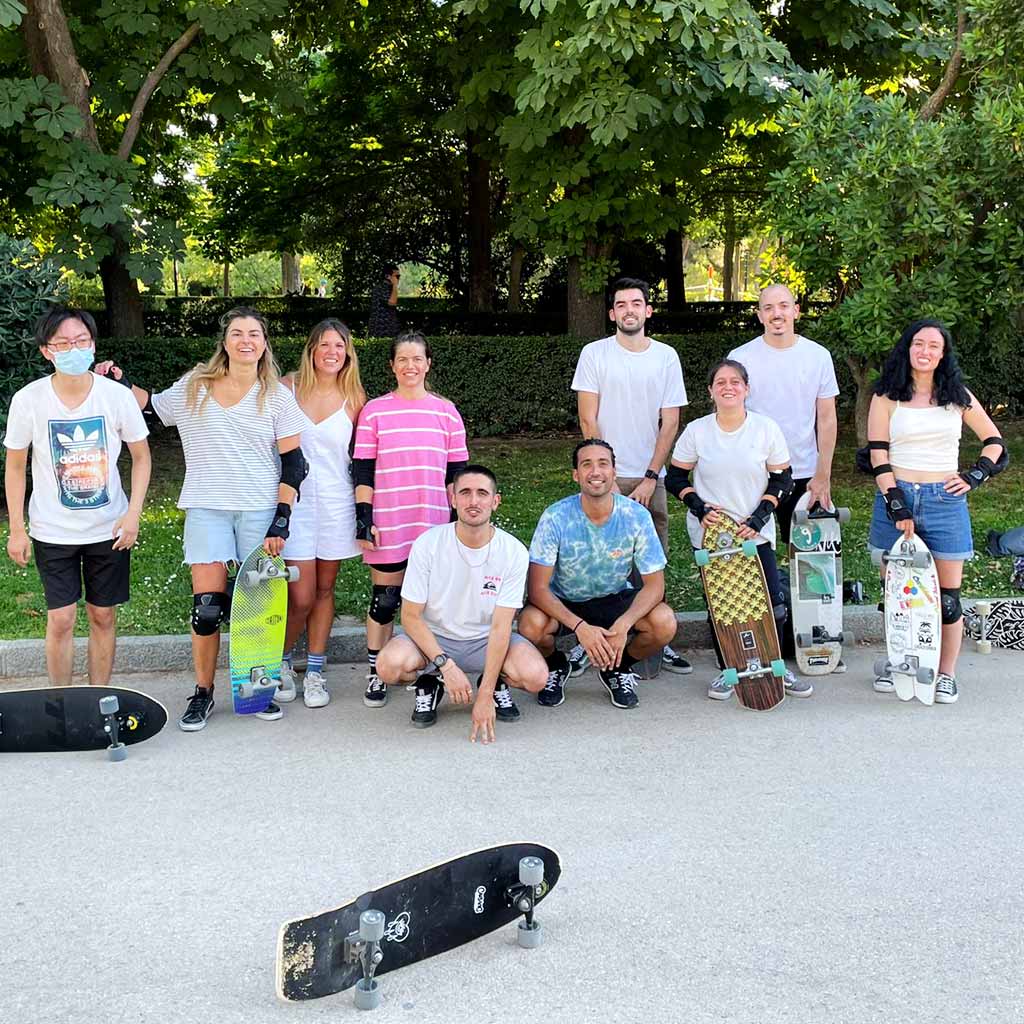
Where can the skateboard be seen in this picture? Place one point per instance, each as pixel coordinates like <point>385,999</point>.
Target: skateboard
<point>259,611</point>
<point>741,615</point>
<point>998,623</point>
<point>57,718</point>
<point>816,572</point>
<point>913,620</point>
<point>414,918</point>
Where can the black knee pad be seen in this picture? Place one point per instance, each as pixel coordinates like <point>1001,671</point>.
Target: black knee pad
<point>952,610</point>
<point>209,610</point>
<point>779,611</point>
<point>384,603</point>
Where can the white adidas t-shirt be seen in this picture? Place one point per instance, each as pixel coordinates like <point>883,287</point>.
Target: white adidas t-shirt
<point>76,488</point>
<point>785,385</point>
<point>632,389</point>
<point>731,469</point>
<point>460,587</point>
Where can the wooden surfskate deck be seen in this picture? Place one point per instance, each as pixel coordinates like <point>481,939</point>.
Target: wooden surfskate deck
<point>259,612</point>
<point>59,718</point>
<point>913,620</point>
<point>816,574</point>
<point>741,615</point>
<point>424,914</point>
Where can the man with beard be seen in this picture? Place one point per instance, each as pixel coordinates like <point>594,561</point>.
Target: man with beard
<point>462,589</point>
<point>586,552</point>
<point>629,390</point>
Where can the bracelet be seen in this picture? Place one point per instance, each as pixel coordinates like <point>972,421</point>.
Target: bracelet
<point>577,626</point>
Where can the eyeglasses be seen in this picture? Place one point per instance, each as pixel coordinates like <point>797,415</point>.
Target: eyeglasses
<point>67,346</point>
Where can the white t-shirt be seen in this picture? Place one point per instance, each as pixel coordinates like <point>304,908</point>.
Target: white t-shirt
<point>231,458</point>
<point>632,389</point>
<point>76,488</point>
<point>731,467</point>
<point>459,586</point>
<point>785,384</point>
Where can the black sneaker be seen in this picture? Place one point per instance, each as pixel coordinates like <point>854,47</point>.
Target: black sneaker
<point>429,694</point>
<point>579,661</point>
<point>553,693</point>
<point>505,709</point>
<point>376,695</point>
<point>200,704</point>
<point>621,688</point>
<point>271,713</point>
<point>672,662</point>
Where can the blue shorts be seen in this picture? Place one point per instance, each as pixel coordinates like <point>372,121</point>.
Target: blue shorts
<point>212,535</point>
<point>940,518</point>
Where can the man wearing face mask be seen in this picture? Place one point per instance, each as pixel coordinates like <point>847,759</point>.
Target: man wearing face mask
<point>81,524</point>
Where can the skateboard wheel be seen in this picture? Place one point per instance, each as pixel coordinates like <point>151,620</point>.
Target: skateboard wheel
<point>702,557</point>
<point>118,752</point>
<point>984,646</point>
<point>844,637</point>
<point>367,994</point>
<point>778,667</point>
<point>252,577</point>
<point>730,677</point>
<point>371,926</point>
<point>245,690</point>
<point>982,608</point>
<point>804,640</point>
<point>843,515</point>
<point>749,548</point>
<point>879,557</point>
<point>926,676</point>
<point>921,559</point>
<point>881,666</point>
<point>531,870</point>
<point>529,938</point>
<point>292,573</point>
<point>109,704</point>
<point>800,517</point>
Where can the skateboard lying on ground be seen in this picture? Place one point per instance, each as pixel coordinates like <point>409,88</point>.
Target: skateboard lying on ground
<point>259,611</point>
<point>996,623</point>
<point>59,718</point>
<point>913,620</point>
<point>741,615</point>
<point>414,918</point>
<point>816,580</point>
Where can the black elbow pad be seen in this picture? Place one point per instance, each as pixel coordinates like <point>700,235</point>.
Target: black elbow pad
<point>294,469</point>
<point>677,480</point>
<point>364,472</point>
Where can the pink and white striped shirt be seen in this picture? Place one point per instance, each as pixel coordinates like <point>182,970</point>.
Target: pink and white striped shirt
<point>412,440</point>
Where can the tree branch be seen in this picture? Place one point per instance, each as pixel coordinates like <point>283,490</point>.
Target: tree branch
<point>952,72</point>
<point>149,86</point>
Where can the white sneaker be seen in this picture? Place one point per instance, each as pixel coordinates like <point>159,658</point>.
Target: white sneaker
<point>314,690</point>
<point>286,692</point>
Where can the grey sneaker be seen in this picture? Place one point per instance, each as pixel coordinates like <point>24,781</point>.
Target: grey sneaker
<point>719,688</point>
<point>286,692</point>
<point>579,662</point>
<point>672,662</point>
<point>797,687</point>
<point>271,713</point>
<point>945,689</point>
<point>884,683</point>
<point>840,668</point>
<point>314,690</point>
<point>376,695</point>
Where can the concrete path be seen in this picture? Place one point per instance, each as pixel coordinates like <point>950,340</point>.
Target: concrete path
<point>846,858</point>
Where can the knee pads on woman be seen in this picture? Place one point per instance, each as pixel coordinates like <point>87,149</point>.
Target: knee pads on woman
<point>209,610</point>
<point>384,603</point>
<point>952,610</point>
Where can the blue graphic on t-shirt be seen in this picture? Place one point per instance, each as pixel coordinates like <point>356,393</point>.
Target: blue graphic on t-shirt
<point>594,561</point>
<point>81,462</point>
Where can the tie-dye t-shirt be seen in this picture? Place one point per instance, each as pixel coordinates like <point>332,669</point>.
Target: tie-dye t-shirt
<point>595,561</point>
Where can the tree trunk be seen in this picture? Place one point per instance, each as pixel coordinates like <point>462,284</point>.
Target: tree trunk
<point>862,377</point>
<point>675,270</point>
<point>586,311</point>
<point>729,247</point>
<point>227,279</point>
<point>174,272</point>
<point>291,276</point>
<point>480,228</point>
<point>737,263</point>
<point>515,278</point>
<point>120,293</point>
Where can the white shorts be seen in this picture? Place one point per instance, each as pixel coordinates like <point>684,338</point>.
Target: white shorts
<point>321,529</point>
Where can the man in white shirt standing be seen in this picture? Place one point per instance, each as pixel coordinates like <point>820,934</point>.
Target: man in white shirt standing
<point>629,390</point>
<point>463,586</point>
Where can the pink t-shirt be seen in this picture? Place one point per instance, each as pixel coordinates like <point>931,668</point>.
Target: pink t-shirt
<point>412,440</point>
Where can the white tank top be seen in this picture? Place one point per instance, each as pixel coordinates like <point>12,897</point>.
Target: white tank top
<point>926,440</point>
<point>325,445</point>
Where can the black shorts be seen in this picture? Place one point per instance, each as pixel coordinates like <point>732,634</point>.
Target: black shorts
<point>601,611</point>
<point>63,566</point>
<point>392,566</point>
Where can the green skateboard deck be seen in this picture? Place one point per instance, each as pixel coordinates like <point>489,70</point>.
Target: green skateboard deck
<point>259,611</point>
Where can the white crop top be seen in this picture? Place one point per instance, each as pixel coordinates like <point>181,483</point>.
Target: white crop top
<point>926,440</point>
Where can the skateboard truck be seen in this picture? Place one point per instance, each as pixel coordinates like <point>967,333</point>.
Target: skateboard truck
<point>267,570</point>
<point>523,896</point>
<point>363,947</point>
<point>109,708</point>
<point>820,635</point>
<point>258,679</point>
<point>983,610</point>
<point>910,666</point>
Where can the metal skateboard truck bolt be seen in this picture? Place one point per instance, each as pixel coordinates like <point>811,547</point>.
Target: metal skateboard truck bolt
<point>523,896</point>
<point>363,946</point>
<point>109,707</point>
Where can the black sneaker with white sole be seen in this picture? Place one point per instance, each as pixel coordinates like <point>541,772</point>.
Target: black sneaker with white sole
<point>376,695</point>
<point>579,661</point>
<point>672,662</point>
<point>200,704</point>
<point>553,694</point>
<point>429,694</point>
<point>621,688</point>
<point>945,689</point>
<point>505,709</point>
<point>271,713</point>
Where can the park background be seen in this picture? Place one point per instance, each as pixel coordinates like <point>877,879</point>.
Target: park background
<point>167,159</point>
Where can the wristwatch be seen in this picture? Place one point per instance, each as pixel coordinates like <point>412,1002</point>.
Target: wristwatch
<point>440,661</point>
<point>651,475</point>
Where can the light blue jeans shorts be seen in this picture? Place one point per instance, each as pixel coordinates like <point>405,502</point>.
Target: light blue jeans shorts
<point>941,519</point>
<point>213,535</point>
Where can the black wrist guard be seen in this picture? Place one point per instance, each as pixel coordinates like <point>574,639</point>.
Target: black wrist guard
<point>695,503</point>
<point>364,520</point>
<point>124,380</point>
<point>896,505</point>
<point>979,472</point>
<point>279,526</point>
<point>759,518</point>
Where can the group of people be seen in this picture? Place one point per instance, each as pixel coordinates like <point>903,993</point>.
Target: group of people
<point>308,468</point>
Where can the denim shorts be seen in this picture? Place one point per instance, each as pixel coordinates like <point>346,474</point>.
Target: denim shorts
<point>940,518</point>
<point>212,535</point>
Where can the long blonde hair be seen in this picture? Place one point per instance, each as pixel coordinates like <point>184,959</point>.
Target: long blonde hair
<point>349,384</point>
<point>216,367</point>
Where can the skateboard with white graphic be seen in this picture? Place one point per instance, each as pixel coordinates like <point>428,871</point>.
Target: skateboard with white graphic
<point>414,918</point>
<point>913,620</point>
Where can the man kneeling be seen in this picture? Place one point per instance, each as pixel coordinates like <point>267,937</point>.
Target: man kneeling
<point>582,558</point>
<point>462,589</point>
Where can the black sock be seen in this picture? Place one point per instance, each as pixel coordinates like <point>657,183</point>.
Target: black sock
<point>627,661</point>
<point>557,661</point>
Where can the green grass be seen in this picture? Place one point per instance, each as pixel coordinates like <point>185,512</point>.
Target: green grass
<point>533,474</point>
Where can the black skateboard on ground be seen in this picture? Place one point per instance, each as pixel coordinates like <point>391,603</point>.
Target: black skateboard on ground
<point>414,918</point>
<point>59,718</point>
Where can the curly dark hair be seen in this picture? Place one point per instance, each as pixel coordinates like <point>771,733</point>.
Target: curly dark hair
<point>896,382</point>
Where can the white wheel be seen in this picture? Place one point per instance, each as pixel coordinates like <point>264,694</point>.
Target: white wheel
<point>531,871</point>
<point>252,577</point>
<point>371,926</point>
<point>982,608</point>
<point>984,646</point>
<point>293,573</point>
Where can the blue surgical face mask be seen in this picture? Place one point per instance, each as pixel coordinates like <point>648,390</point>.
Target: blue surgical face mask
<point>75,361</point>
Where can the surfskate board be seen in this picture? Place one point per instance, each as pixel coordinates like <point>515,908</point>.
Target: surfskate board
<point>996,623</point>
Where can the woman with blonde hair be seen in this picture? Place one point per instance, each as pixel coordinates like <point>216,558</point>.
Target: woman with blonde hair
<point>239,428</point>
<point>323,526</point>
